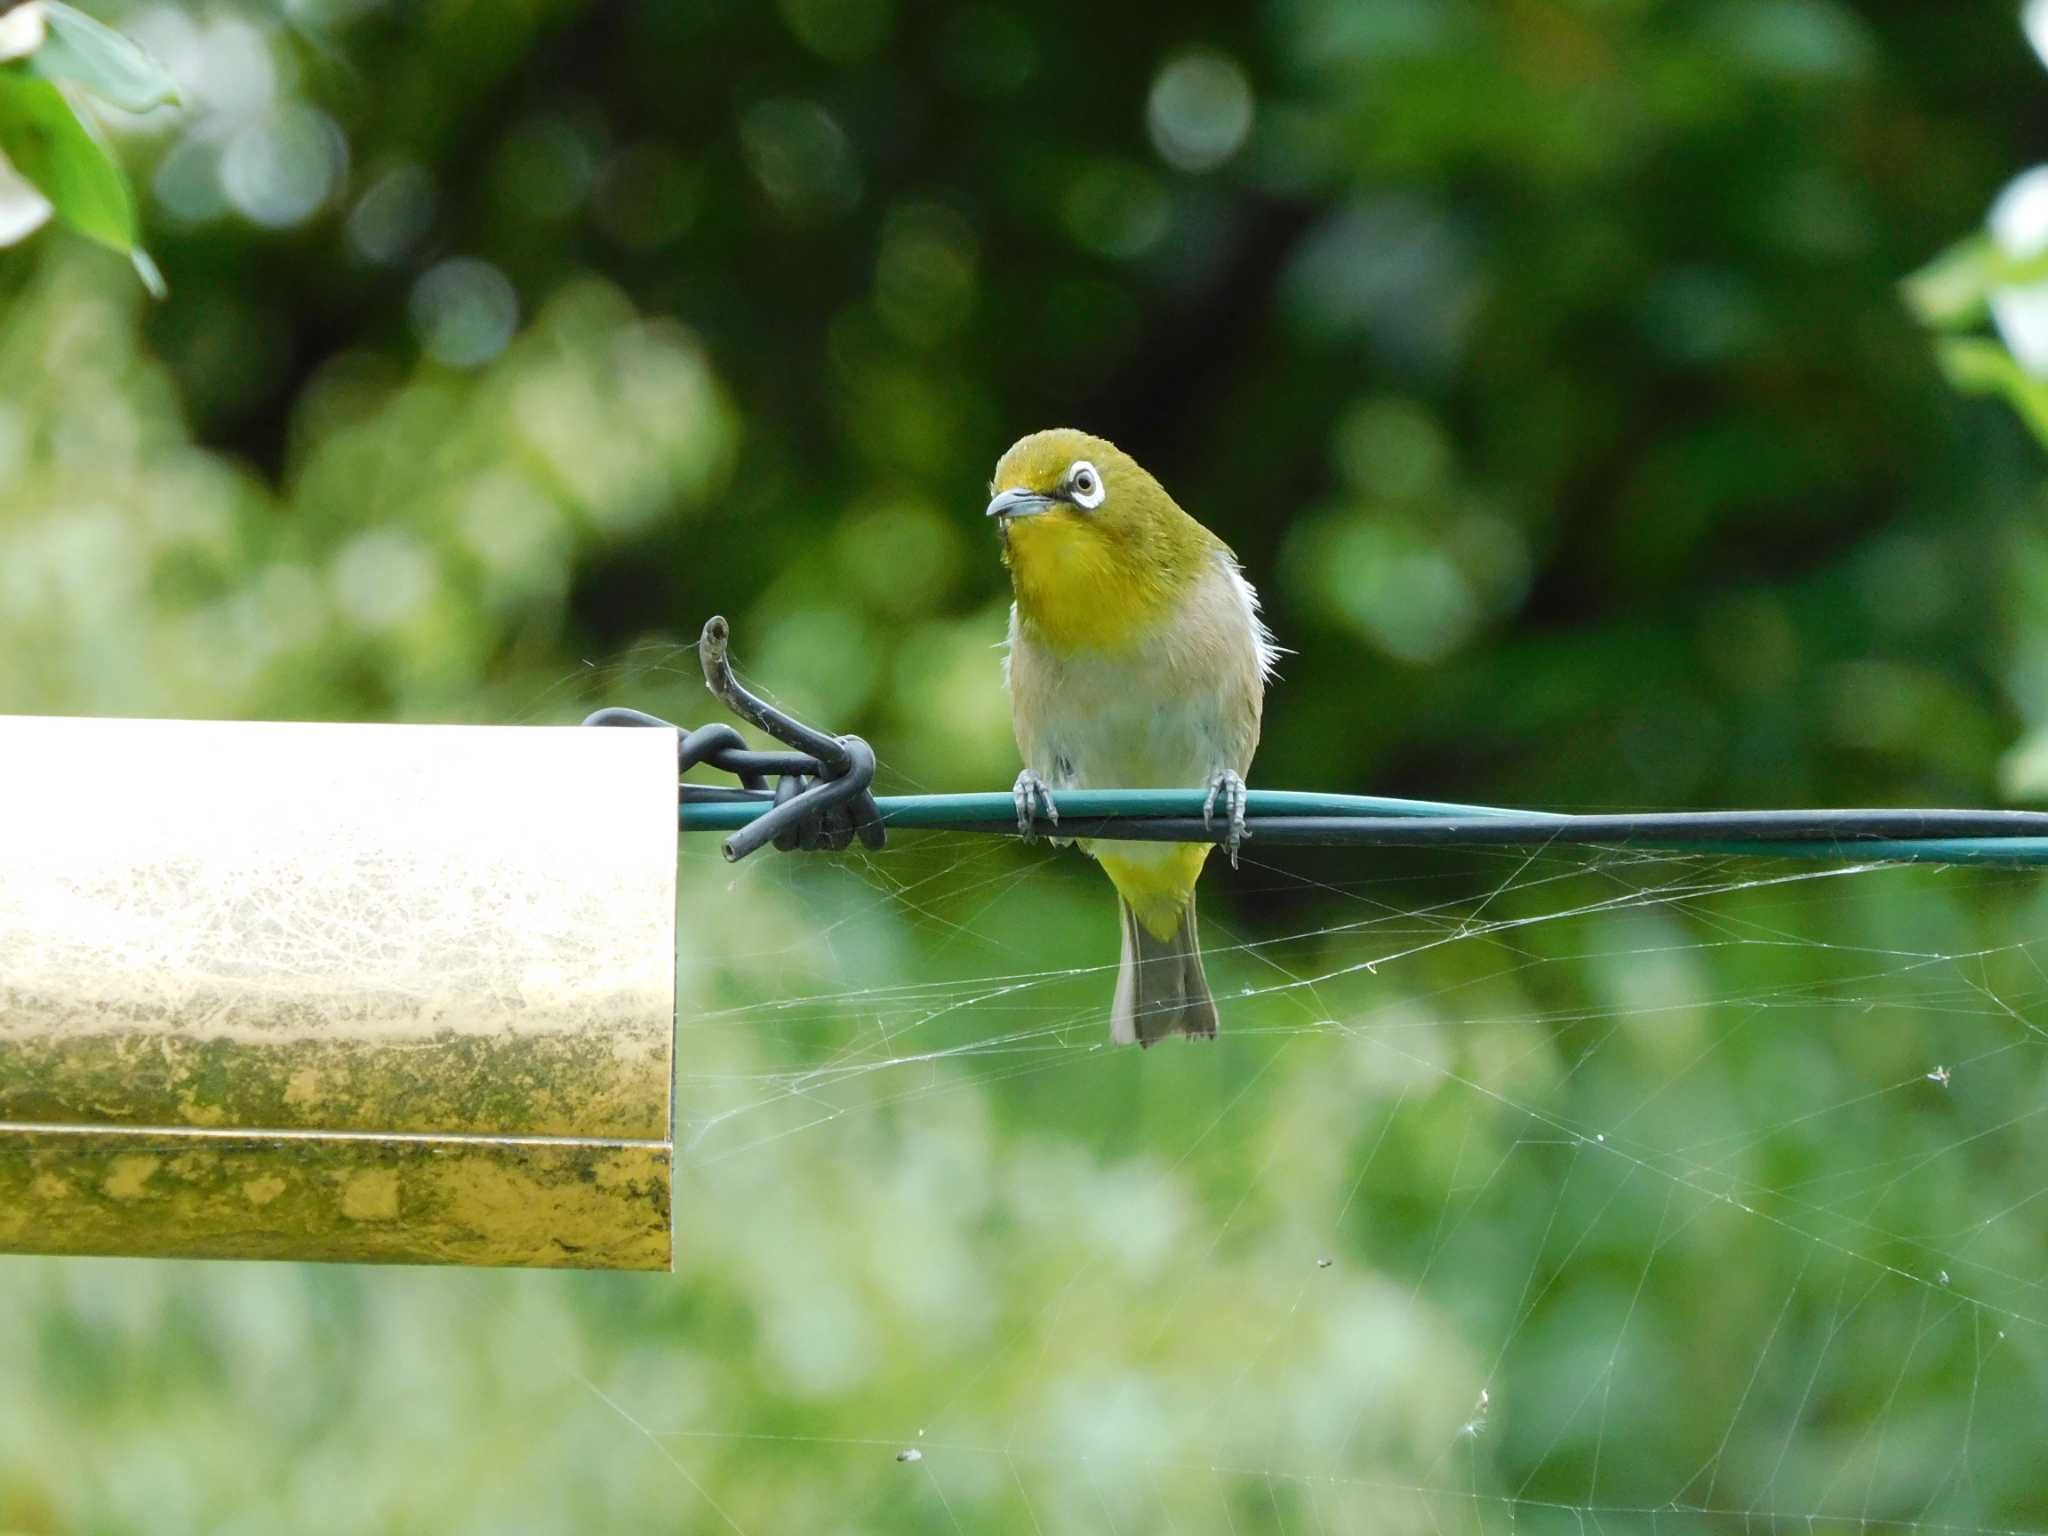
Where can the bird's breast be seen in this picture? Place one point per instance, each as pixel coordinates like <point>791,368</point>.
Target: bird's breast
<point>1077,592</point>
<point>1171,705</point>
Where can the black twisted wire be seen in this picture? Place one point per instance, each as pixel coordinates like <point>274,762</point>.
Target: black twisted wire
<point>823,791</point>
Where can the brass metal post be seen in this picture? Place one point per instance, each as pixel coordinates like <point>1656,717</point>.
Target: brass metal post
<point>360,992</point>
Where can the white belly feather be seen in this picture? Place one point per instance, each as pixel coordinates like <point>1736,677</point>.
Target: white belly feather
<point>1171,710</point>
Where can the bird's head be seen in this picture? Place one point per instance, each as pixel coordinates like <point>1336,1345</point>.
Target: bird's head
<point>1062,486</point>
<point>1091,539</point>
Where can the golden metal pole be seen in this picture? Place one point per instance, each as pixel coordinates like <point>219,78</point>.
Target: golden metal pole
<point>361,992</point>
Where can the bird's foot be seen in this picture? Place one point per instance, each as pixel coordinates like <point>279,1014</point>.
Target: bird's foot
<point>1227,786</point>
<point>1034,799</point>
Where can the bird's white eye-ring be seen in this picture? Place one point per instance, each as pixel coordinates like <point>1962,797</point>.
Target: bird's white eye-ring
<point>1084,484</point>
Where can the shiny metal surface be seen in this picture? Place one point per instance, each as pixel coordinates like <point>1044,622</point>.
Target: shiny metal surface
<point>370,992</point>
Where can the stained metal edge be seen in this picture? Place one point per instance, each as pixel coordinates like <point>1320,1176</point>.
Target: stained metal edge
<point>555,1203</point>
<point>268,1133</point>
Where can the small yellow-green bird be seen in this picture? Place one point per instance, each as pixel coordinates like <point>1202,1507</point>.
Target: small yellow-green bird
<point>1137,660</point>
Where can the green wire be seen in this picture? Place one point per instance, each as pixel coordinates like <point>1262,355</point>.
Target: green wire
<point>950,812</point>
<point>961,812</point>
<point>826,782</point>
<point>1089,809</point>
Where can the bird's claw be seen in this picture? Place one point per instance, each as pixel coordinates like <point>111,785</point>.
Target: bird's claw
<point>1229,786</point>
<point>1034,799</point>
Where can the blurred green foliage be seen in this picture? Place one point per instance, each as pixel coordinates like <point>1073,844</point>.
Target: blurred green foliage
<point>52,163</point>
<point>1547,364</point>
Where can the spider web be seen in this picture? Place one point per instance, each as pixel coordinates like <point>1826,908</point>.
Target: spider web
<point>1574,1190</point>
<point>1562,1189</point>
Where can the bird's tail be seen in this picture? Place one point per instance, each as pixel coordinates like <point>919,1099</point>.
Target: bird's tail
<point>1160,988</point>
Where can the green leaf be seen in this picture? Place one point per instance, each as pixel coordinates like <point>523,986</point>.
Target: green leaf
<point>1951,291</point>
<point>65,161</point>
<point>151,274</point>
<point>101,60</point>
<point>1978,366</point>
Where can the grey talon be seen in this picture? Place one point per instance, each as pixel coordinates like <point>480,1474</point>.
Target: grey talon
<point>1230,786</point>
<point>1032,799</point>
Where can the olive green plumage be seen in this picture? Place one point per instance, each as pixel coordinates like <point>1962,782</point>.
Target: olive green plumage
<point>1137,660</point>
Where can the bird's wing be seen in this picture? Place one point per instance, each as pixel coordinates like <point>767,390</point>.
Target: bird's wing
<point>1030,671</point>
<point>1243,655</point>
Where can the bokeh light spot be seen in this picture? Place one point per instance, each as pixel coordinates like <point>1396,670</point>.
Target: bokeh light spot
<point>802,159</point>
<point>390,218</point>
<point>544,170</point>
<point>187,182</point>
<point>1392,271</point>
<point>382,579</point>
<point>1199,111</point>
<point>1703,316</point>
<point>1798,39</point>
<point>823,655</point>
<point>225,69</point>
<point>1391,448</point>
<point>517,534</point>
<point>902,556</point>
<point>1115,208</point>
<point>1392,584</point>
<point>840,30</point>
<point>279,169</point>
<point>464,311</point>
<point>925,273</point>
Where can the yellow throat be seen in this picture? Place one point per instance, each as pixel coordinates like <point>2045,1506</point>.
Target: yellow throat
<point>1076,590</point>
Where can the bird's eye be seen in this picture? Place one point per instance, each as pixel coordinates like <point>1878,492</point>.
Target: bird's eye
<point>1084,482</point>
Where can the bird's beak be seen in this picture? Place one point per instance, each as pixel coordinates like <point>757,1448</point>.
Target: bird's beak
<point>1018,502</point>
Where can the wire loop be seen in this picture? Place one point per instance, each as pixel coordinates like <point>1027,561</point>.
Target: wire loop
<point>822,797</point>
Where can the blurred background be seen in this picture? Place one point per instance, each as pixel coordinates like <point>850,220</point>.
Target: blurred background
<point>1547,364</point>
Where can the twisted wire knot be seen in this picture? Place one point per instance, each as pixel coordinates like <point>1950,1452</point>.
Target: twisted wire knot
<point>822,797</point>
